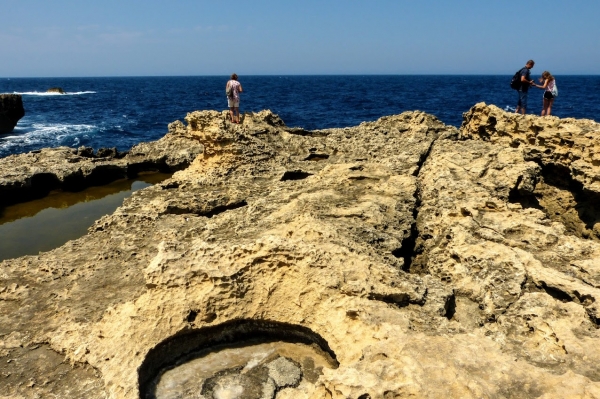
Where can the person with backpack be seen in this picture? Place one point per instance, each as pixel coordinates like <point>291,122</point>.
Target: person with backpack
<point>233,88</point>
<point>523,88</point>
<point>550,91</point>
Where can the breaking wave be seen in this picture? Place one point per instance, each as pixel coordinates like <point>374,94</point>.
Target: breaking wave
<point>45,93</point>
<point>39,135</point>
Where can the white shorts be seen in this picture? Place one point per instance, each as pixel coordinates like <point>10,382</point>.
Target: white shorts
<point>233,103</point>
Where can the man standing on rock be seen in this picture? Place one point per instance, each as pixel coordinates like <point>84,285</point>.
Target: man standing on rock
<point>233,90</point>
<point>526,82</point>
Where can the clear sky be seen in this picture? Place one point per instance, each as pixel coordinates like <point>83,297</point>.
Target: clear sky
<point>47,38</point>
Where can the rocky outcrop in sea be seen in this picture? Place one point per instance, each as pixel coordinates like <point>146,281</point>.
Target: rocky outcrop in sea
<point>11,110</point>
<point>398,258</point>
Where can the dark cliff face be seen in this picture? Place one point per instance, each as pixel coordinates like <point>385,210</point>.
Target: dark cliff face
<point>11,110</point>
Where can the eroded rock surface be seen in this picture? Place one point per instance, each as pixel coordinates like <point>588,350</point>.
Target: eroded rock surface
<point>567,150</point>
<point>406,249</point>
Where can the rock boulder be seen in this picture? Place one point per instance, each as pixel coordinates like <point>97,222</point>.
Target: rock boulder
<point>56,90</point>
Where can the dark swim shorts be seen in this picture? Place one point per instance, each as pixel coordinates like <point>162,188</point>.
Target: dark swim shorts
<point>548,95</point>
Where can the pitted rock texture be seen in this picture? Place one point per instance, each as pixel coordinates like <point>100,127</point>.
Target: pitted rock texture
<point>570,144</point>
<point>11,110</point>
<point>413,253</point>
<point>567,150</point>
<point>515,273</point>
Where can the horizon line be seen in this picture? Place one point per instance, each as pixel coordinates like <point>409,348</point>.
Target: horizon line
<point>277,75</point>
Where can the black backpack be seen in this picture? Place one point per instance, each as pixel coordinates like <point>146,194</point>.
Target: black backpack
<point>515,82</point>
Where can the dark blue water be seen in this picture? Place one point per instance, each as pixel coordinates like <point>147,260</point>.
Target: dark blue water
<point>120,112</point>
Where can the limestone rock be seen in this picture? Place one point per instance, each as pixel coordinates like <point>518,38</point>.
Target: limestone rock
<point>567,150</point>
<point>569,147</point>
<point>11,110</point>
<point>284,372</point>
<point>416,258</point>
<point>511,267</point>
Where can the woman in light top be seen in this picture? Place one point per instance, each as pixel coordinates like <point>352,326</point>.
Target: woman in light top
<point>550,91</point>
<point>233,88</point>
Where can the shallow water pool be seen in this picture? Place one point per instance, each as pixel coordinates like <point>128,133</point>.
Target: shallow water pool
<point>47,223</point>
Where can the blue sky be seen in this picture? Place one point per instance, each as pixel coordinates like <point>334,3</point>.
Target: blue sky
<point>260,37</point>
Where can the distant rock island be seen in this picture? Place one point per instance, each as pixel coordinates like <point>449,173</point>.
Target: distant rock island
<point>398,258</point>
<point>11,110</point>
<point>56,90</point>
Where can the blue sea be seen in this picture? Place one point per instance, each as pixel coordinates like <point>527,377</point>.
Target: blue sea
<point>123,111</point>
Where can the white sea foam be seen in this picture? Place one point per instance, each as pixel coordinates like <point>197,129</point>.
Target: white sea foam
<point>57,128</point>
<point>46,135</point>
<point>45,93</point>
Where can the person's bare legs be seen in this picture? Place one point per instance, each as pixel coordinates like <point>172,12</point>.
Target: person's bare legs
<point>236,115</point>
<point>231,113</point>
<point>549,109</point>
<point>544,107</point>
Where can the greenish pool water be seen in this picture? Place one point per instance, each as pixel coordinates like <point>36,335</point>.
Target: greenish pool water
<point>47,223</point>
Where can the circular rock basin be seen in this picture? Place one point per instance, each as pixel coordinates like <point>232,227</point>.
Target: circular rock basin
<point>239,359</point>
<point>251,371</point>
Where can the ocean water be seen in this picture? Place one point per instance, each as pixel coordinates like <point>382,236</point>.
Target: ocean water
<point>121,112</point>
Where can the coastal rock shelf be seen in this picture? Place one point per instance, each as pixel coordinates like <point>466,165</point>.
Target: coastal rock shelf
<point>398,258</point>
<point>33,175</point>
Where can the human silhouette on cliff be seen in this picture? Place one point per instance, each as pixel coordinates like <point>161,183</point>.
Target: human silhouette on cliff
<point>524,89</point>
<point>233,88</point>
<point>550,91</point>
